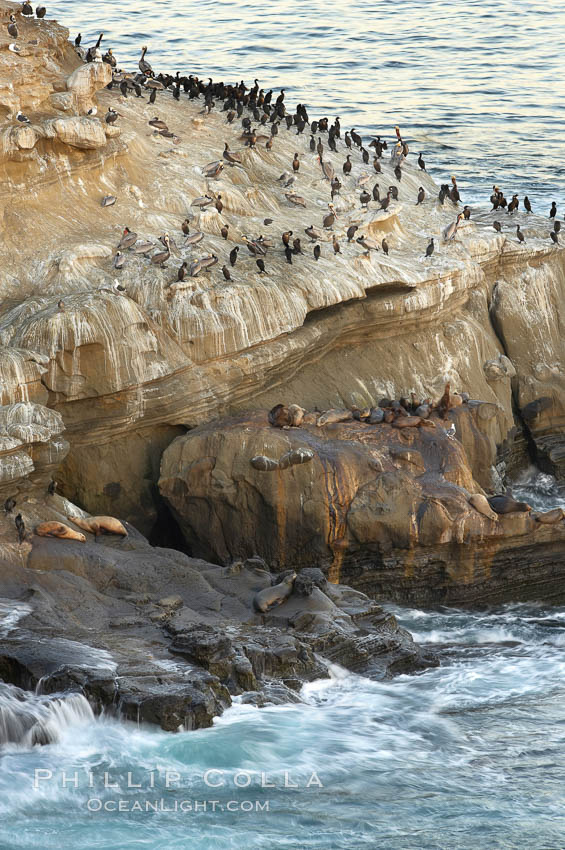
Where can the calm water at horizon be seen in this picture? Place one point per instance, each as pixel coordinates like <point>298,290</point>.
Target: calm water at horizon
<point>477,86</point>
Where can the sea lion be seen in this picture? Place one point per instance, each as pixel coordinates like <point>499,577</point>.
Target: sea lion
<point>423,410</point>
<point>480,503</point>
<point>294,457</point>
<point>59,529</point>
<point>376,416</point>
<point>265,464</point>
<point>444,403</point>
<point>270,597</point>
<point>550,517</point>
<point>503,504</point>
<point>279,416</point>
<point>334,415</point>
<point>296,414</point>
<point>311,418</point>
<point>100,524</point>
<point>407,422</point>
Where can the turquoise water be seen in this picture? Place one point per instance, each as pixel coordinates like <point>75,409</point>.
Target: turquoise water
<point>468,755</point>
<point>477,86</point>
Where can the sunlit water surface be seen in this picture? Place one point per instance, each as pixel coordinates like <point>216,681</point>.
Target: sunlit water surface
<point>477,86</point>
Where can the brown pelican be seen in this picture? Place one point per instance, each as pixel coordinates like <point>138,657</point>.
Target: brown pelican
<point>158,124</point>
<point>194,238</point>
<point>128,239</point>
<point>329,219</point>
<point>230,157</point>
<point>143,65</point>
<point>27,10</point>
<point>328,169</point>
<point>313,233</point>
<point>297,200</point>
<point>368,243</point>
<point>451,229</point>
<point>202,202</point>
<point>213,169</point>
<point>143,248</point>
<point>13,27</point>
<point>119,260</point>
<point>161,258</point>
<point>93,52</point>
<point>40,11</point>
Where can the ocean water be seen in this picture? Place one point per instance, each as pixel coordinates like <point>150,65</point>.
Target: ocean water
<point>468,755</point>
<point>477,86</point>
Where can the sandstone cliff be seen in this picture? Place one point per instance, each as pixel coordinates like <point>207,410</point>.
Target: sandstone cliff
<point>129,370</point>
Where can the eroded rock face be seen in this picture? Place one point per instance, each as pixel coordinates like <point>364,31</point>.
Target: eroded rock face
<point>172,660</point>
<point>385,510</point>
<point>31,448</point>
<point>171,354</point>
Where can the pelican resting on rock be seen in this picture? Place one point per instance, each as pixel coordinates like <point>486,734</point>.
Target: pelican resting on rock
<point>450,231</point>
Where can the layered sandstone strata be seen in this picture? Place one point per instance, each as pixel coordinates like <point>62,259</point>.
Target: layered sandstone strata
<point>130,372</point>
<point>388,510</point>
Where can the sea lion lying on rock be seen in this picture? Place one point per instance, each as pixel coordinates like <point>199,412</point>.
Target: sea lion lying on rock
<point>270,597</point>
<point>480,503</point>
<point>100,524</point>
<point>59,529</point>
<point>376,415</point>
<point>279,417</point>
<point>334,415</point>
<point>551,517</point>
<point>407,422</point>
<point>296,414</point>
<point>507,505</point>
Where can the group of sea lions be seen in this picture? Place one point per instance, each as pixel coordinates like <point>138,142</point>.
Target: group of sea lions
<point>95,525</point>
<point>404,413</point>
<point>504,503</point>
